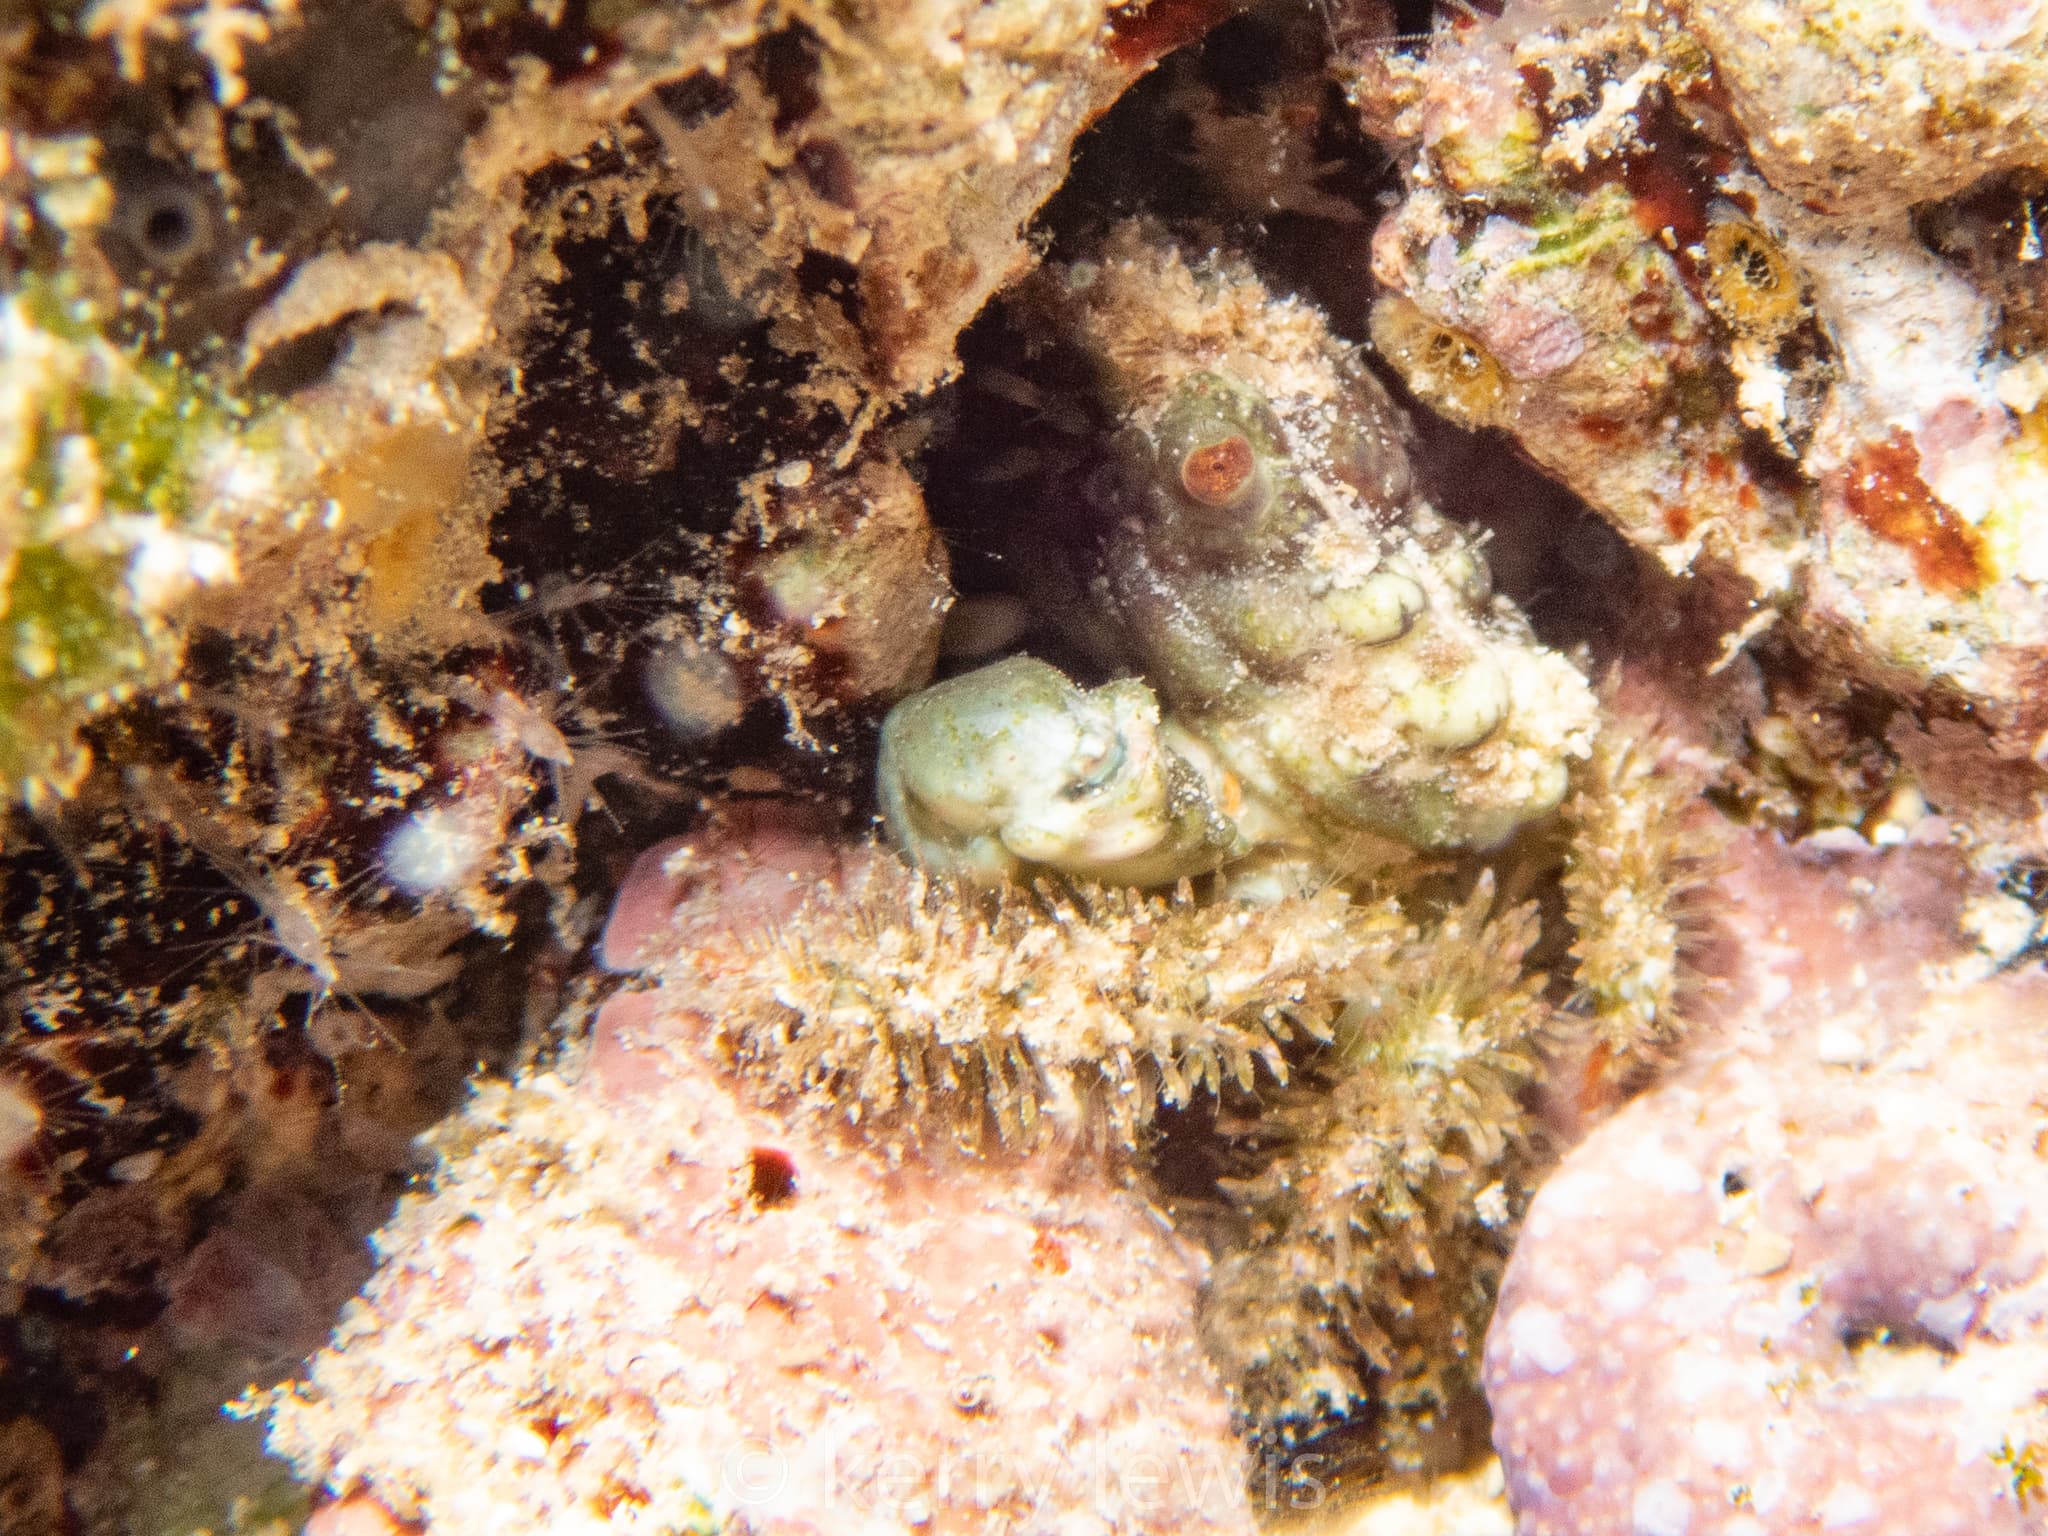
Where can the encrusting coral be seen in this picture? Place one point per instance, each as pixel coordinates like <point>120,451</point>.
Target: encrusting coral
<point>772,1323</point>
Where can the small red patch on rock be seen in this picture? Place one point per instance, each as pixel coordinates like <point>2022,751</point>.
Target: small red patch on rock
<point>1672,186</point>
<point>1141,33</point>
<point>771,1177</point>
<point>1884,492</point>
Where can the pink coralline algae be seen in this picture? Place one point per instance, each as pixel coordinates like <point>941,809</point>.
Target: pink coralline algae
<point>1803,1285</point>
<point>642,1299</point>
<point>1976,23</point>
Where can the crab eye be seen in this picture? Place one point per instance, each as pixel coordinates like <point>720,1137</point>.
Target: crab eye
<point>1100,760</point>
<point>1216,474</point>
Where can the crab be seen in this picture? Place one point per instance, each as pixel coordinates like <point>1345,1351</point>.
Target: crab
<point>1329,656</point>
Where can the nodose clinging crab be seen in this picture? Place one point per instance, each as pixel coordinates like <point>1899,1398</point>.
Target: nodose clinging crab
<point>1321,637</point>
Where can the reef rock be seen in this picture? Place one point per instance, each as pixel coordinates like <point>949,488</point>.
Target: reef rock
<point>1802,1285</point>
<point>1759,282</point>
<point>639,1298</point>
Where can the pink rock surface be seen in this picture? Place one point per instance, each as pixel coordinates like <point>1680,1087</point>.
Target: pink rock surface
<point>353,1517</point>
<point>752,866</point>
<point>640,1299</point>
<point>1803,1285</point>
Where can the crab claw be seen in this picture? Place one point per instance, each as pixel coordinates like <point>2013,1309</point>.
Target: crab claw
<point>1014,766</point>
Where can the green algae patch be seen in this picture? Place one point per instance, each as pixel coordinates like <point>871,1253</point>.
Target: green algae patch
<point>104,525</point>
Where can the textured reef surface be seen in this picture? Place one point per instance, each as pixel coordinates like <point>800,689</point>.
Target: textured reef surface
<point>1810,1262</point>
<point>1007,766</point>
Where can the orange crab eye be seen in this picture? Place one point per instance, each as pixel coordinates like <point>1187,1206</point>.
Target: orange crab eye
<point>1217,473</point>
